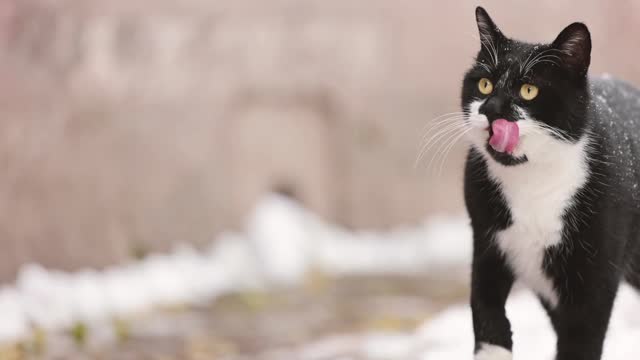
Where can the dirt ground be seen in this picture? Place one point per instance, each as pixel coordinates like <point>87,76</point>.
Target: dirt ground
<point>258,325</point>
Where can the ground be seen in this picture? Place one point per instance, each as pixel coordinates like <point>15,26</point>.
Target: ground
<point>278,323</point>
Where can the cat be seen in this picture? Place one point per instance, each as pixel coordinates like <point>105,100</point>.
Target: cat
<point>551,185</point>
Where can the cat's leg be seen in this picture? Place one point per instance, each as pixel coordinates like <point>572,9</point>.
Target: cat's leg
<point>582,324</point>
<point>491,284</point>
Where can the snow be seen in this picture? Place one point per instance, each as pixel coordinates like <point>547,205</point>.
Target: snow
<point>289,239</point>
<point>450,335</point>
<point>281,244</point>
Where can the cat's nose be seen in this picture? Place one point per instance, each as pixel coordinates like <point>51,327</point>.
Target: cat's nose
<point>494,108</point>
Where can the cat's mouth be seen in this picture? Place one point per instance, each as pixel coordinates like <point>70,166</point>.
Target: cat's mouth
<point>504,135</point>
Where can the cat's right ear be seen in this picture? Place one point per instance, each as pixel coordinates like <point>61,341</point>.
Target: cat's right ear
<point>489,32</point>
<point>574,43</point>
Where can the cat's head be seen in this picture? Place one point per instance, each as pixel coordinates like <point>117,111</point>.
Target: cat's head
<point>520,98</point>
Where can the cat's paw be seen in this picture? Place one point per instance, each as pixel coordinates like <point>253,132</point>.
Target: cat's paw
<point>493,352</point>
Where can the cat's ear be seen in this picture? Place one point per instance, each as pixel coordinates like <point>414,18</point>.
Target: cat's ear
<point>574,43</point>
<point>489,32</point>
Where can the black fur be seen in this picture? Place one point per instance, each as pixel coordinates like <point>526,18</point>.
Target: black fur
<point>601,236</point>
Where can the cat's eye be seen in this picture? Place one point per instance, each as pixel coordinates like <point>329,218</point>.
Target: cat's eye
<point>485,86</point>
<point>528,91</point>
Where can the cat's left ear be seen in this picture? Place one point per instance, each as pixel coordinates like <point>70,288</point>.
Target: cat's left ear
<point>489,32</point>
<point>574,43</point>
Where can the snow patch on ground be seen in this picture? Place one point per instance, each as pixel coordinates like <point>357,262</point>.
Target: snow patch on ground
<point>450,335</point>
<point>289,240</point>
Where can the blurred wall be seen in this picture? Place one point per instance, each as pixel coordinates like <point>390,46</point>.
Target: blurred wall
<point>130,126</point>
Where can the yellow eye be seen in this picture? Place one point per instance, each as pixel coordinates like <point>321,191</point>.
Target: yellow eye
<point>528,91</point>
<point>485,86</point>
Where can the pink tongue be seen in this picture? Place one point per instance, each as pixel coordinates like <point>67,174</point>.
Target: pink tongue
<point>505,136</point>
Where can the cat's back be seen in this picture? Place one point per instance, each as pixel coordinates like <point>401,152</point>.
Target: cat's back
<point>615,107</point>
<point>615,131</point>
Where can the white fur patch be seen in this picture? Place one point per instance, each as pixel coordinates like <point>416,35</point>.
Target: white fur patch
<point>538,193</point>
<point>493,352</point>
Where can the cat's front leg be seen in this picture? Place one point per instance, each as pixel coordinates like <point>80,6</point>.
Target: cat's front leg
<point>581,325</point>
<point>491,284</point>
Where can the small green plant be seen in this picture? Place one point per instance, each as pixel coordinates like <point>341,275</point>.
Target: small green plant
<point>79,333</point>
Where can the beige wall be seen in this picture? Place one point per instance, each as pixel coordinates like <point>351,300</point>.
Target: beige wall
<point>133,125</point>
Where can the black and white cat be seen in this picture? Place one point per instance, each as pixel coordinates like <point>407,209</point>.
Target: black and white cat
<point>552,186</point>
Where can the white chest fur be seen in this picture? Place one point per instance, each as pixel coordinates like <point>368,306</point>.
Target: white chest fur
<point>538,194</point>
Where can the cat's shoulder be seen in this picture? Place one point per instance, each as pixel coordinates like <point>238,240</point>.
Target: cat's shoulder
<point>614,107</point>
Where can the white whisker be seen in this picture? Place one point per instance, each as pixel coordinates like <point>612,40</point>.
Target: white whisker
<point>436,138</point>
<point>529,64</point>
<point>540,60</point>
<point>442,116</point>
<point>493,51</point>
<point>485,66</point>
<point>441,123</point>
<point>444,141</point>
<point>449,148</point>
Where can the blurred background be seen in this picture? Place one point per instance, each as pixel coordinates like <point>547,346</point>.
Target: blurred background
<point>265,151</point>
